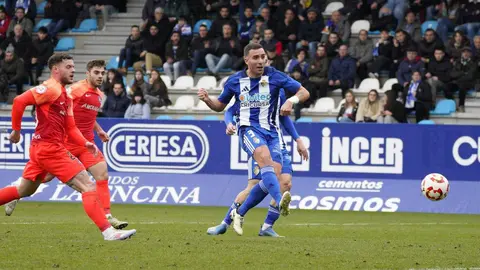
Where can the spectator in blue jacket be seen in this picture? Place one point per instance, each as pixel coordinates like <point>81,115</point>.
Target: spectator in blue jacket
<point>117,102</point>
<point>310,32</point>
<point>247,21</point>
<point>412,63</point>
<point>342,72</point>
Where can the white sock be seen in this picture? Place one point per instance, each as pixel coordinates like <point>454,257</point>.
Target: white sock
<point>108,215</point>
<point>265,226</point>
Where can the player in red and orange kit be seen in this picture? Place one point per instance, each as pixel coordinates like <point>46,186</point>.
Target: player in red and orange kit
<point>87,99</point>
<point>47,151</point>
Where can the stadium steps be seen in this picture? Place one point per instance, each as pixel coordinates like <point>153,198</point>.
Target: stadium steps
<point>112,45</point>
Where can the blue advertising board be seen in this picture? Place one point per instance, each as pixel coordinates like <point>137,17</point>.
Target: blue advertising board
<point>361,167</point>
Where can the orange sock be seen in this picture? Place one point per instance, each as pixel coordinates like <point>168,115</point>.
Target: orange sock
<point>104,195</point>
<point>94,210</point>
<point>8,194</point>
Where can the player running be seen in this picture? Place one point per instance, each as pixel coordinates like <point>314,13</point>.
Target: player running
<point>257,90</point>
<point>254,175</point>
<point>54,120</point>
<point>87,99</point>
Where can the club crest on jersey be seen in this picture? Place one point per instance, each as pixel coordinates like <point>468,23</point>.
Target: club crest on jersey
<point>41,89</point>
<point>263,83</point>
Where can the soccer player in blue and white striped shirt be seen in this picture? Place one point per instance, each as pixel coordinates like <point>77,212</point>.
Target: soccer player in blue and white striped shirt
<point>257,91</point>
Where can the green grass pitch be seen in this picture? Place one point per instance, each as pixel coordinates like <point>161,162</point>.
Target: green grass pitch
<point>59,235</point>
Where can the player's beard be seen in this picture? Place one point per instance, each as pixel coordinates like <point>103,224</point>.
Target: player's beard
<point>67,79</point>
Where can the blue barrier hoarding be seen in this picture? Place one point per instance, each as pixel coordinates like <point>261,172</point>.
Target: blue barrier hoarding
<point>362,167</point>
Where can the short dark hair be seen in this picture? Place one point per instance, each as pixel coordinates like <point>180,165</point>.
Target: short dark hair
<point>43,30</point>
<point>135,26</point>
<point>251,46</point>
<point>203,25</point>
<point>20,8</point>
<point>95,63</point>
<point>58,58</point>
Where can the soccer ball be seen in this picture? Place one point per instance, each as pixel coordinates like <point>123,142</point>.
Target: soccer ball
<point>435,187</point>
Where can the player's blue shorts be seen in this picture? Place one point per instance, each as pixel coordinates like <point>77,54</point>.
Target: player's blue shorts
<point>254,169</point>
<point>252,137</point>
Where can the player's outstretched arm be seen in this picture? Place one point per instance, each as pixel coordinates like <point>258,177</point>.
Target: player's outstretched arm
<point>287,123</point>
<point>230,121</point>
<point>213,104</point>
<point>19,105</point>
<point>301,96</point>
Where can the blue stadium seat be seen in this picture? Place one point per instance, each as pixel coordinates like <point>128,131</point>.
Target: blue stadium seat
<point>187,117</point>
<point>86,26</point>
<point>305,120</point>
<point>371,33</point>
<point>164,117</point>
<point>426,122</point>
<point>65,44</point>
<point>41,8</point>
<point>205,22</point>
<point>328,120</point>
<point>210,118</point>
<point>444,107</point>
<point>429,25</point>
<point>42,22</point>
<point>112,63</point>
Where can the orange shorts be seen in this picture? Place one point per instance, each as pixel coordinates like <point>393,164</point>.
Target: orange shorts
<point>51,158</point>
<point>82,153</point>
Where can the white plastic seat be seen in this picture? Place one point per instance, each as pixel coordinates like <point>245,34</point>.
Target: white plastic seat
<point>166,80</point>
<point>359,25</point>
<point>222,83</point>
<point>368,84</point>
<point>207,82</point>
<point>184,102</point>
<point>325,104</point>
<point>202,106</point>
<point>184,82</point>
<point>388,84</point>
<point>334,6</point>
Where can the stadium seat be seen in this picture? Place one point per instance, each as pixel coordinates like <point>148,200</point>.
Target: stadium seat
<point>199,23</point>
<point>187,117</point>
<point>41,8</point>
<point>65,44</point>
<point>207,82</point>
<point>334,6</point>
<point>164,117</point>
<point>41,23</point>
<point>211,118</point>
<point>305,120</point>
<point>444,107</point>
<point>184,82</point>
<point>86,26</point>
<point>368,84</point>
<point>325,104</point>
<point>359,25</point>
<point>388,84</point>
<point>426,122</point>
<point>202,106</point>
<point>222,82</point>
<point>166,80</point>
<point>112,63</point>
<point>429,25</point>
<point>185,102</point>
<point>328,120</point>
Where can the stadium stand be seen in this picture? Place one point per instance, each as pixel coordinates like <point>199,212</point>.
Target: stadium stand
<point>87,42</point>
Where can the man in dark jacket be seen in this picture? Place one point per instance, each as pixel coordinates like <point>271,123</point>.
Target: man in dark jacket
<point>176,53</point>
<point>382,54</point>
<point>269,39</point>
<point>427,46</point>
<point>438,72</point>
<point>310,32</point>
<point>117,102</point>
<point>333,44</point>
<point>287,31</point>
<point>274,59</point>
<point>410,64</point>
<point>106,7</point>
<point>42,49</point>
<point>21,42</point>
<point>13,72</point>
<point>401,43</point>
<point>223,52</point>
<point>217,25</point>
<point>20,18</point>
<point>63,15</point>
<point>463,77</point>
<point>133,50</point>
<point>198,48</point>
<point>153,50</point>
<point>342,71</point>
<point>362,51</point>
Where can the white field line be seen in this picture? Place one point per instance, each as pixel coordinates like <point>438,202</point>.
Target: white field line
<point>291,224</point>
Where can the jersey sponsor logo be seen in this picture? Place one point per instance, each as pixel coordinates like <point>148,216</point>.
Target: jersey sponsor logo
<point>466,150</point>
<point>87,95</point>
<point>360,154</point>
<point>40,89</point>
<point>156,148</point>
<point>239,158</point>
<point>254,100</point>
<point>91,107</point>
<point>15,156</point>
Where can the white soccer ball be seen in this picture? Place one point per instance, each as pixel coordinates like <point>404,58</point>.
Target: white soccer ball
<point>435,187</point>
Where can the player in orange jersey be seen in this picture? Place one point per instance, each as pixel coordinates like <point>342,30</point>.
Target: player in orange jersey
<point>47,151</point>
<point>87,99</point>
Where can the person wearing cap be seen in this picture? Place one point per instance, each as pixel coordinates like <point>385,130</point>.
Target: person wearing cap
<point>411,63</point>
<point>139,108</point>
<point>463,77</point>
<point>310,32</point>
<point>4,23</point>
